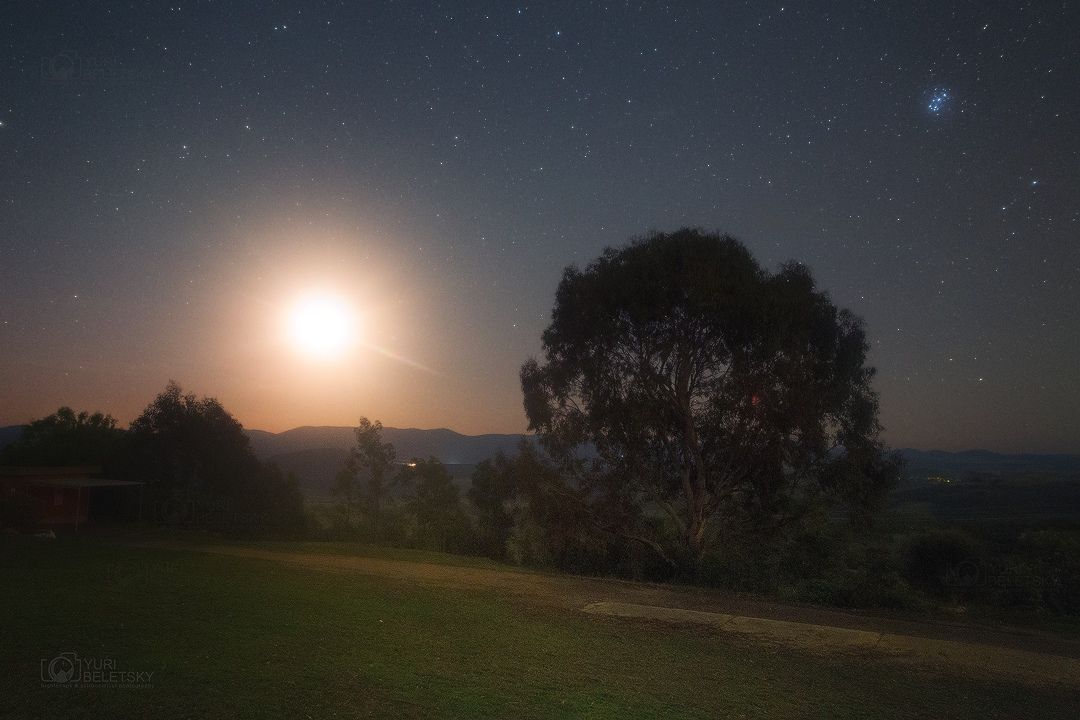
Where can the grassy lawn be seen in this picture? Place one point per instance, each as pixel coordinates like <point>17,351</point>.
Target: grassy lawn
<point>235,637</point>
<point>381,552</point>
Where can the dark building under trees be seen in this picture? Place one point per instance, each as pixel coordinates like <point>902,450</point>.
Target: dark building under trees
<point>70,497</point>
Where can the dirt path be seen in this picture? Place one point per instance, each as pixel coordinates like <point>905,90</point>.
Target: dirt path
<point>1027,654</point>
<point>952,654</point>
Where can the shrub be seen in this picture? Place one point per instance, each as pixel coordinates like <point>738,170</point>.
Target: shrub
<point>18,512</point>
<point>527,544</point>
<point>943,563</point>
<point>1043,573</point>
<point>862,587</point>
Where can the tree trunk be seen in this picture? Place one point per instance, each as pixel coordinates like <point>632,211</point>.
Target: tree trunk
<point>695,531</point>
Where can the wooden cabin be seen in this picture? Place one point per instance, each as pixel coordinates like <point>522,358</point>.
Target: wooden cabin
<point>74,496</point>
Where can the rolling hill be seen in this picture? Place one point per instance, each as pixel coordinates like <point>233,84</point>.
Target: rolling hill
<point>448,446</point>
<point>316,454</point>
<point>968,462</point>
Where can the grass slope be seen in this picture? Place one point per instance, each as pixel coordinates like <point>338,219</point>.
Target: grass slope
<point>237,637</point>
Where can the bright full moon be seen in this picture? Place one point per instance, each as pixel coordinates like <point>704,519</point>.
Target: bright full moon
<point>321,326</point>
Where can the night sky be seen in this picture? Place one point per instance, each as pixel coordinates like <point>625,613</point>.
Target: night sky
<point>173,176</point>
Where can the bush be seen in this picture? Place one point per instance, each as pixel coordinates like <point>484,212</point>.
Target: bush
<point>741,567</point>
<point>19,513</point>
<point>1042,574</point>
<point>943,563</point>
<point>811,549</point>
<point>527,544</point>
<point>864,587</point>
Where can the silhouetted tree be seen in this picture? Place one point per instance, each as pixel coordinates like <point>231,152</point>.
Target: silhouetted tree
<point>66,438</point>
<point>199,467</point>
<point>276,503</point>
<point>526,511</point>
<point>717,395</point>
<point>363,484</point>
<point>493,491</point>
<point>440,522</point>
<point>348,505</point>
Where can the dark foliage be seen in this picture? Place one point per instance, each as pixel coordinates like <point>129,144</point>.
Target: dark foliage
<point>942,562</point>
<point>532,516</point>
<point>363,484</point>
<point>199,469</point>
<point>493,492</point>
<point>19,513</point>
<point>66,438</point>
<point>1041,573</point>
<point>722,400</point>
<point>440,521</point>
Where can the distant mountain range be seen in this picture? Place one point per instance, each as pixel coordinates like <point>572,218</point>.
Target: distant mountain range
<point>448,446</point>
<point>939,462</point>
<point>315,454</point>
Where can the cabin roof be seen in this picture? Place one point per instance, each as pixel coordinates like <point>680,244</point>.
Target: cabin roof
<point>71,477</point>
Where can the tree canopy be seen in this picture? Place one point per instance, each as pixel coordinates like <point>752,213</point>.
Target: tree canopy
<point>363,484</point>
<point>719,397</point>
<point>200,469</point>
<point>436,504</point>
<point>526,512</point>
<point>66,438</point>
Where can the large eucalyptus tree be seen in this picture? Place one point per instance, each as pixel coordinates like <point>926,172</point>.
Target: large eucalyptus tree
<point>718,395</point>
